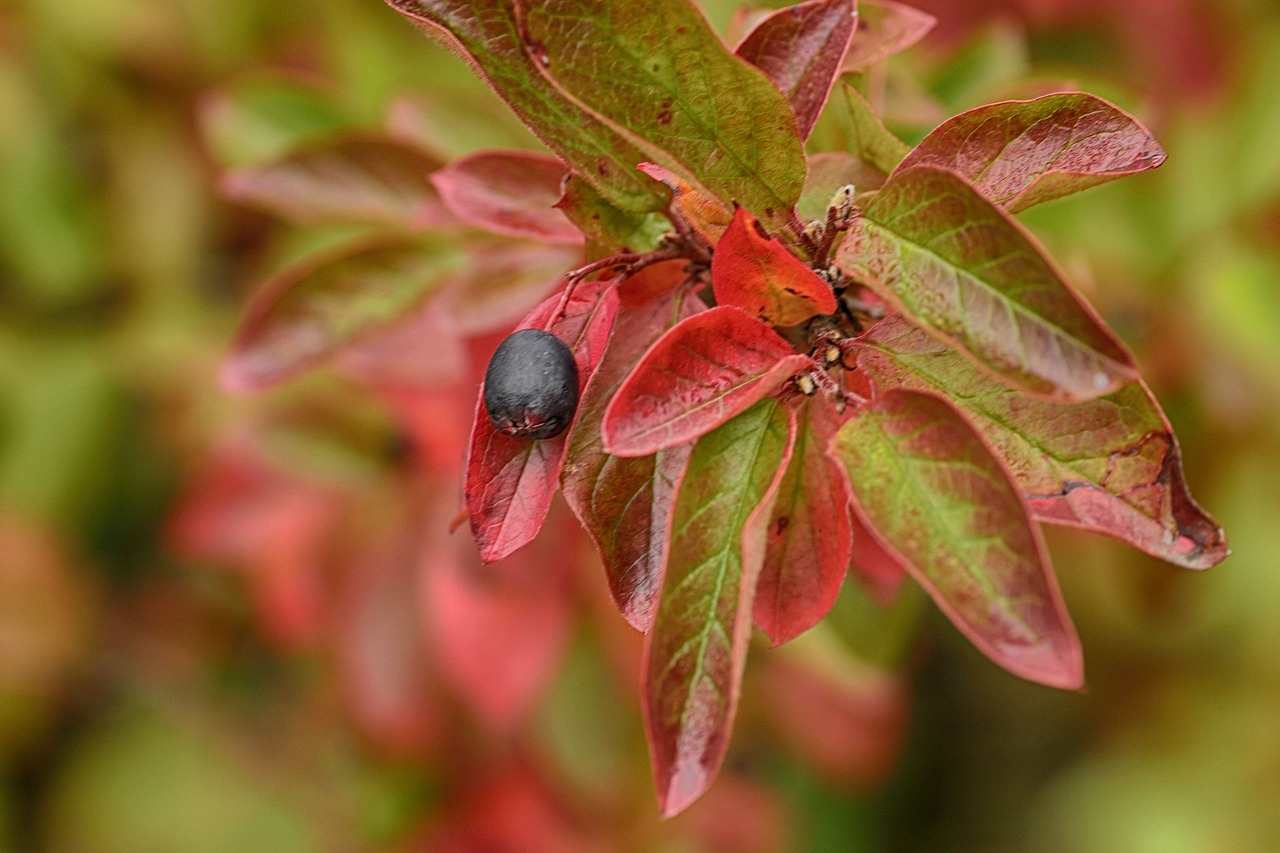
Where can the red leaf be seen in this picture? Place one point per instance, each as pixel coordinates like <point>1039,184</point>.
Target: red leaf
<point>1020,153</point>
<point>808,546</point>
<point>756,273</point>
<point>885,28</point>
<point>704,214</point>
<point>801,48</point>
<point>1110,464</point>
<point>697,650</point>
<point>348,179</point>
<point>501,629</point>
<point>625,503</point>
<point>700,374</point>
<point>969,274</point>
<point>925,482</point>
<point>510,481</point>
<point>322,306</point>
<point>508,192</point>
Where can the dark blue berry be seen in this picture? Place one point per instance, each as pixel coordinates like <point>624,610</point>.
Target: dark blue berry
<point>531,386</point>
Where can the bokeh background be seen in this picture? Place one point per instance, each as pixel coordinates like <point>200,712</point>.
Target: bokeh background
<point>169,690</point>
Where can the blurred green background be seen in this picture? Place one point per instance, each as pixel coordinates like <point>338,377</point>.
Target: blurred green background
<point>141,709</point>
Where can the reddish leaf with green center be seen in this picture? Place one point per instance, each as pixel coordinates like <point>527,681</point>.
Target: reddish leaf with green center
<point>657,70</point>
<point>801,48</point>
<point>510,481</point>
<point>965,271</point>
<point>324,305</point>
<point>625,503</point>
<point>808,546</point>
<point>1021,153</point>
<point>359,178</point>
<point>697,650</point>
<point>756,273</point>
<point>700,374</point>
<point>925,482</point>
<point>508,192</point>
<point>1110,464</point>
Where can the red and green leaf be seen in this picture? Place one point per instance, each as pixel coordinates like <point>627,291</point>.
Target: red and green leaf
<point>319,307</point>
<point>364,179</point>
<point>801,48</point>
<point>925,482</point>
<point>625,503</point>
<point>657,70</point>
<point>510,481</point>
<point>966,272</point>
<point>885,28</point>
<point>1109,464</point>
<point>870,140</point>
<point>508,192</point>
<point>697,650</point>
<point>809,539</point>
<point>879,572</point>
<point>756,273</point>
<point>489,37</point>
<point>1020,153</point>
<point>700,374</point>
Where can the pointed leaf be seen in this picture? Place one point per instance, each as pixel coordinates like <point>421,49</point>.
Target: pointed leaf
<point>756,273</point>
<point>801,48</point>
<point>1020,153</point>
<point>510,481</point>
<point>704,214</point>
<point>488,36</point>
<point>321,306</point>
<point>885,28</point>
<point>350,179</point>
<point>1110,464</point>
<point>508,192</point>
<point>809,540</point>
<point>700,374</point>
<point>658,70</point>
<point>625,503</point>
<point>968,273</point>
<point>696,652</point>
<point>607,228</point>
<point>871,141</point>
<point>927,485</point>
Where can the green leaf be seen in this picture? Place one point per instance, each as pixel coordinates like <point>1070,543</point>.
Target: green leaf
<point>966,272</point>
<point>488,35</point>
<point>697,649</point>
<point>924,481</point>
<point>608,229</point>
<point>1109,464</point>
<point>657,70</point>
<point>870,141</point>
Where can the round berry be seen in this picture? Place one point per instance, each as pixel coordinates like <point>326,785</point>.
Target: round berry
<point>531,386</point>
